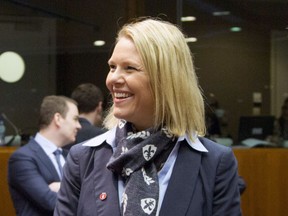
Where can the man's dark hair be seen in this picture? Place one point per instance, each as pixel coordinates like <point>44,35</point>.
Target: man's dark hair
<point>88,96</point>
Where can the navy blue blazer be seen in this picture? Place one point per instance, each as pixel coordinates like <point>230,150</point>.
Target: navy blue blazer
<point>30,171</point>
<point>202,183</point>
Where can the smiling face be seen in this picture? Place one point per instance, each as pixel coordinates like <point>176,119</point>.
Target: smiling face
<point>128,83</point>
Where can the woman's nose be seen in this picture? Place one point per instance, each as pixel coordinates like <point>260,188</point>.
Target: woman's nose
<point>117,76</point>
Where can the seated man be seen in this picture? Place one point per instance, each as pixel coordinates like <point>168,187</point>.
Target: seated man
<point>35,170</point>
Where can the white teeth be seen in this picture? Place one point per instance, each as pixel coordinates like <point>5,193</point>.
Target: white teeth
<point>121,95</point>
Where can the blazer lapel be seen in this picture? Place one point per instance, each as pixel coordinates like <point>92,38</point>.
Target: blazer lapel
<point>45,160</point>
<point>105,185</point>
<point>182,182</point>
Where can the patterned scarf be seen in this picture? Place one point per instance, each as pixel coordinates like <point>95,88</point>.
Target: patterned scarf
<point>138,158</point>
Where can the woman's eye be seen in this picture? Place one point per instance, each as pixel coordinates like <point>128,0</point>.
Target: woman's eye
<point>112,67</point>
<point>131,68</point>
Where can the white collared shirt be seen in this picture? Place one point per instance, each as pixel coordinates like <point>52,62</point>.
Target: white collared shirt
<point>164,174</point>
<point>49,148</point>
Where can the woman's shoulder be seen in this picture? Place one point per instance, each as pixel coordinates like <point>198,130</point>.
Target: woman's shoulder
<point>96,145</point>
<point>218,156</point>
<point>93,143</point>
<point>84,156</point>
<point>216,149</point>
<point>212,145</point>
<point>83,149</point>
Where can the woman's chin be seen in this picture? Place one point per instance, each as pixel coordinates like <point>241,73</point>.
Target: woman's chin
<point>119,115</point>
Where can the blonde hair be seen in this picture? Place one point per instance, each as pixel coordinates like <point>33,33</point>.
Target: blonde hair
<point>168,61</point>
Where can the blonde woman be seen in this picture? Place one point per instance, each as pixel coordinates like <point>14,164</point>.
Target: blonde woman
<point>152,161</point>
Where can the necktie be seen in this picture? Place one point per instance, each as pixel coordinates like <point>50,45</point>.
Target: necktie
<point>57,154</point>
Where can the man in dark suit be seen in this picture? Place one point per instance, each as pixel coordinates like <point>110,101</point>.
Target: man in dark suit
<point>35,170</point>
<point>89,99</point>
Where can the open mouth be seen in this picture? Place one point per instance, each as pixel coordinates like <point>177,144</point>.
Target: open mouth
<point>121,95</point>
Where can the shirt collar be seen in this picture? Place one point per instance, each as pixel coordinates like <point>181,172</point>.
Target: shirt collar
<point>109,137</point>
<point>195,143</point>
<point>46,144</point>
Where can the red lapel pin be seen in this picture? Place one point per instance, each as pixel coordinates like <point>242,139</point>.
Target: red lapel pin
<point>103,196</point>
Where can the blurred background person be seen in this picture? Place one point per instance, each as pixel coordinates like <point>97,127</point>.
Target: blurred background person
<point>35,170</point>
<point>90,105</point>
<point>216,118</point>
<point>281,126</point>
<point>212,122</point>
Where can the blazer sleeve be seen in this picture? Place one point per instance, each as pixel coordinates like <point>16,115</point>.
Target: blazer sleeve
<point>68,195</point>
<point>24,177</point>
<point>226,198</point>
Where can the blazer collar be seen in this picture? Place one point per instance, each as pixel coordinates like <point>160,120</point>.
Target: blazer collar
<point>109,137</point>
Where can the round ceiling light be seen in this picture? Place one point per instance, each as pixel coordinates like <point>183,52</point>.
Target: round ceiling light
<point>12,67</point>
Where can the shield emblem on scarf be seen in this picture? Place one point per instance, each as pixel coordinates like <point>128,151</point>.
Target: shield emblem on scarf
<point>148,205</point>
<point>149,151</point>
<point>121,123</point>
